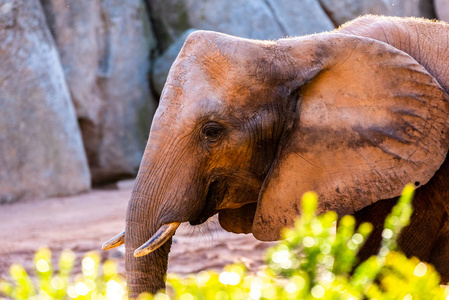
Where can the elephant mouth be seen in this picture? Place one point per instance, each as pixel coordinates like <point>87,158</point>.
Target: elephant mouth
<point>216,193</point>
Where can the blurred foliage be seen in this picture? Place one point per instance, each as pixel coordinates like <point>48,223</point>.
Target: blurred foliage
<point>316,260</point>
<point>96,282</point>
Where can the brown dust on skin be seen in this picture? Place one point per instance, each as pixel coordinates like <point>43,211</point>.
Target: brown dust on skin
<point>355,174</point>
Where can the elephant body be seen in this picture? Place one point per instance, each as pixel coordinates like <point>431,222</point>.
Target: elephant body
<point>427,235</point>
<point>245,127</point>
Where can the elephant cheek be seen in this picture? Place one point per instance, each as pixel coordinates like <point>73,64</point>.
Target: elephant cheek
<point>238,220</point>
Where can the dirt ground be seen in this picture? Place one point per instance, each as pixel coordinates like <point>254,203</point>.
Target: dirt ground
<point>82,223</point>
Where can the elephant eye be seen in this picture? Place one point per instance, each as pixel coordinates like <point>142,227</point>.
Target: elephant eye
<point>212,132</point>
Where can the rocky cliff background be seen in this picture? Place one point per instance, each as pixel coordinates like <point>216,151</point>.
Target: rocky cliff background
<point>80,79</point>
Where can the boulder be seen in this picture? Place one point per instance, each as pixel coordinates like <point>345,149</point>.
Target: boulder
<point>301,17</point>
<point>341,11</point>
<point>163,63</point>
<point>411,8</point>
<point>41,150</point>
<point>442,9</point>
<point>257,19</point>
<point>105,48</point>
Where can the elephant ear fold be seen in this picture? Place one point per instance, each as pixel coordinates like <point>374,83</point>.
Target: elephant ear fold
<point>370,122</point>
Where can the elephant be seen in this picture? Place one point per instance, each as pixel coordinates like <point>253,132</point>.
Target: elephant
<point>245,127</point>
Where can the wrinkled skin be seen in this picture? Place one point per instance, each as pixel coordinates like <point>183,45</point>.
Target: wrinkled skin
<point>245,127</point>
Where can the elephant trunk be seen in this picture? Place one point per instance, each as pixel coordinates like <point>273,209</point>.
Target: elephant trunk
<point>145,273</point>
<point>154,211</point>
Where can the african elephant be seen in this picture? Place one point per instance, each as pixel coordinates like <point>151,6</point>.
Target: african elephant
<point>245,127</point>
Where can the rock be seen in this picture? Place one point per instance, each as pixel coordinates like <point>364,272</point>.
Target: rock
<point>105,48</point>
<point>257,19</point>
<point>41,150</point>
<point>302,18</point>
<point>411,8</point>
<point>442,9</point>
<point>341,11</point>
<point>163,63</point>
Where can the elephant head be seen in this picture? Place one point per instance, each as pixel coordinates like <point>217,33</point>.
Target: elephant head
<point>245,127</point>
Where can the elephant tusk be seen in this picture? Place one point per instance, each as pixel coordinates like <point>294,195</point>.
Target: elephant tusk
<point>116,241</point>
<point>165,232</point>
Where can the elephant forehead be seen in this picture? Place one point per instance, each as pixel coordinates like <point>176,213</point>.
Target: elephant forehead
<point>218,78</point>
<point>181,104</point>
<point>198,91</point>
<point>223,76</point>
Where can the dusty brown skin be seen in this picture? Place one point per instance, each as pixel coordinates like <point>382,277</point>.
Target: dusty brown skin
<point>245,127</point>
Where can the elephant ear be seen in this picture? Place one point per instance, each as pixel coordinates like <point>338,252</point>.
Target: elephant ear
<point>370,122</point>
